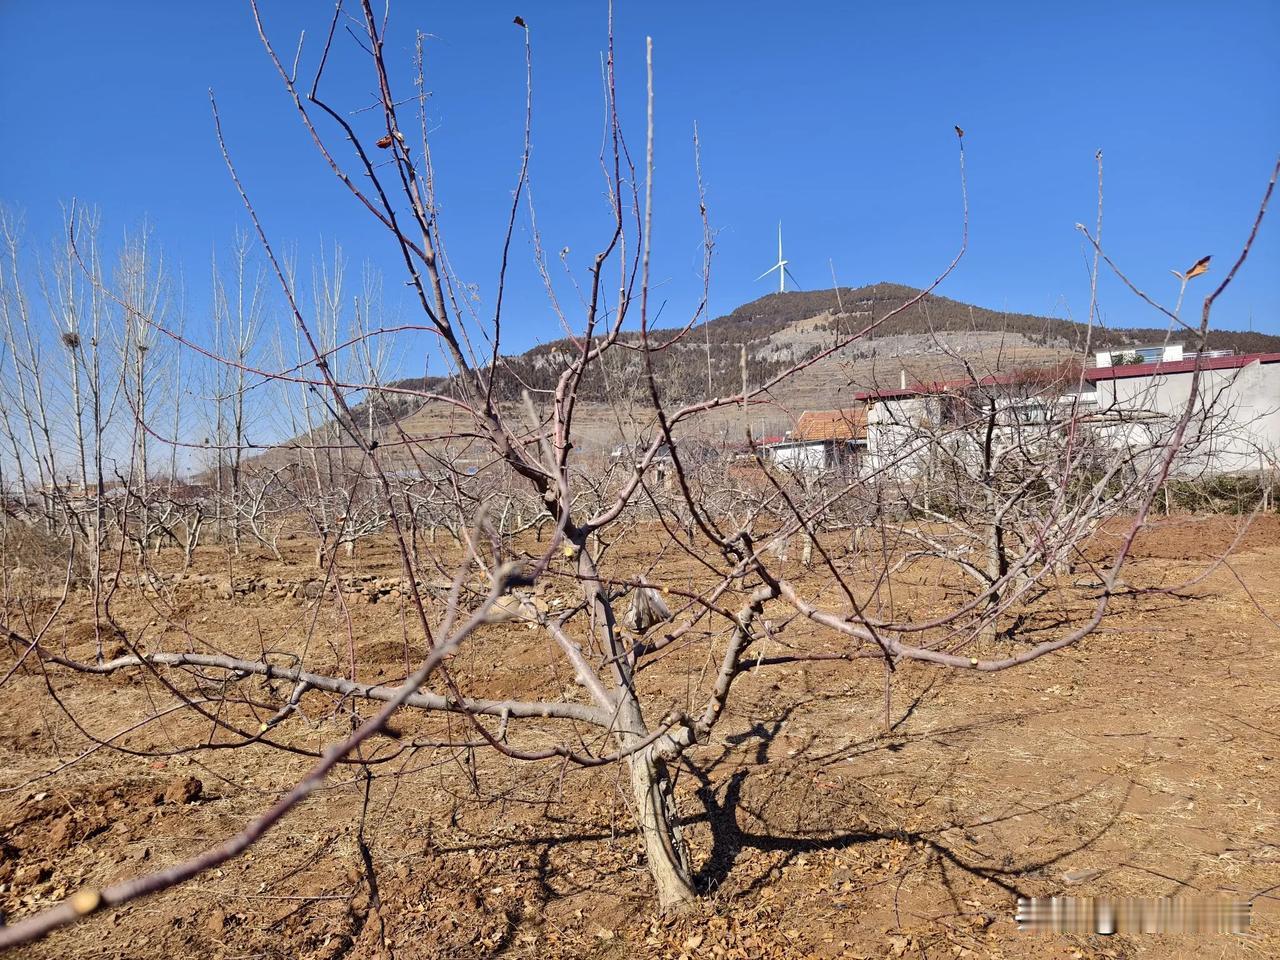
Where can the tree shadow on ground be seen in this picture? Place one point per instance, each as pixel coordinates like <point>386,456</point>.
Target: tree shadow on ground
<point>738,821</point>
<point>725,808</point>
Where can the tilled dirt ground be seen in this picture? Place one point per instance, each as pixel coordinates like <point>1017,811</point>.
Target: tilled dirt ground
<point>1141,762</point>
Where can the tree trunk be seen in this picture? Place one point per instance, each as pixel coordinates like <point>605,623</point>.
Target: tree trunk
<point>997,568</point>
<point>651,785</point>
<point>663,845</point>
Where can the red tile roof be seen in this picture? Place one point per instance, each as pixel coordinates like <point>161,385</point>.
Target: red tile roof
<point>1177,366</point>
<point>849,423</point>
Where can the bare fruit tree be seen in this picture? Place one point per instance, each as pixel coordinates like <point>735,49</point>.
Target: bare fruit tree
<point>541,511</point>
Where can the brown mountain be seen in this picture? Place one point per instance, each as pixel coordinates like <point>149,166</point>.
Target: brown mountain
<point>935,338</point>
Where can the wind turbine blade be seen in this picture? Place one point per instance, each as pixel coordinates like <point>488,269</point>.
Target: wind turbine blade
<point>767,272</point>
<point>793,278</point>
<point>780,241</point>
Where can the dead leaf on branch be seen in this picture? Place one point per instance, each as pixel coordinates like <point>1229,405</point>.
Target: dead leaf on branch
<point>1197,268</point>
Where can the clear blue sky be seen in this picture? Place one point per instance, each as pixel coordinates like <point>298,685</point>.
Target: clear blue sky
<point>834,117</point>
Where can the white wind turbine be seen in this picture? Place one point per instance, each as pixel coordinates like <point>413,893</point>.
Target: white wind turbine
<point>780,266</point>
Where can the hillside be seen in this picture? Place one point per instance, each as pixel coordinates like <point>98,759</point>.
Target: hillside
<point>934,338</point>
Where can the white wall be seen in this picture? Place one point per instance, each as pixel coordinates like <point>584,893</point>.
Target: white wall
<point>1236,425</point>
<point>1236,420</point>
<point>895,445</point>
<point>800,456</point>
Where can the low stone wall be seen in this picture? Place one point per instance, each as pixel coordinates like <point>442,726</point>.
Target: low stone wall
<point>367,588</point>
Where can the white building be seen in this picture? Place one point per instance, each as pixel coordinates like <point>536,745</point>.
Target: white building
<point>822,440</point>
<point>1235,424</point>
<point>1155,353</point>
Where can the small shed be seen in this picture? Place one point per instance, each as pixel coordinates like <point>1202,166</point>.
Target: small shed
<point>823,440</point>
